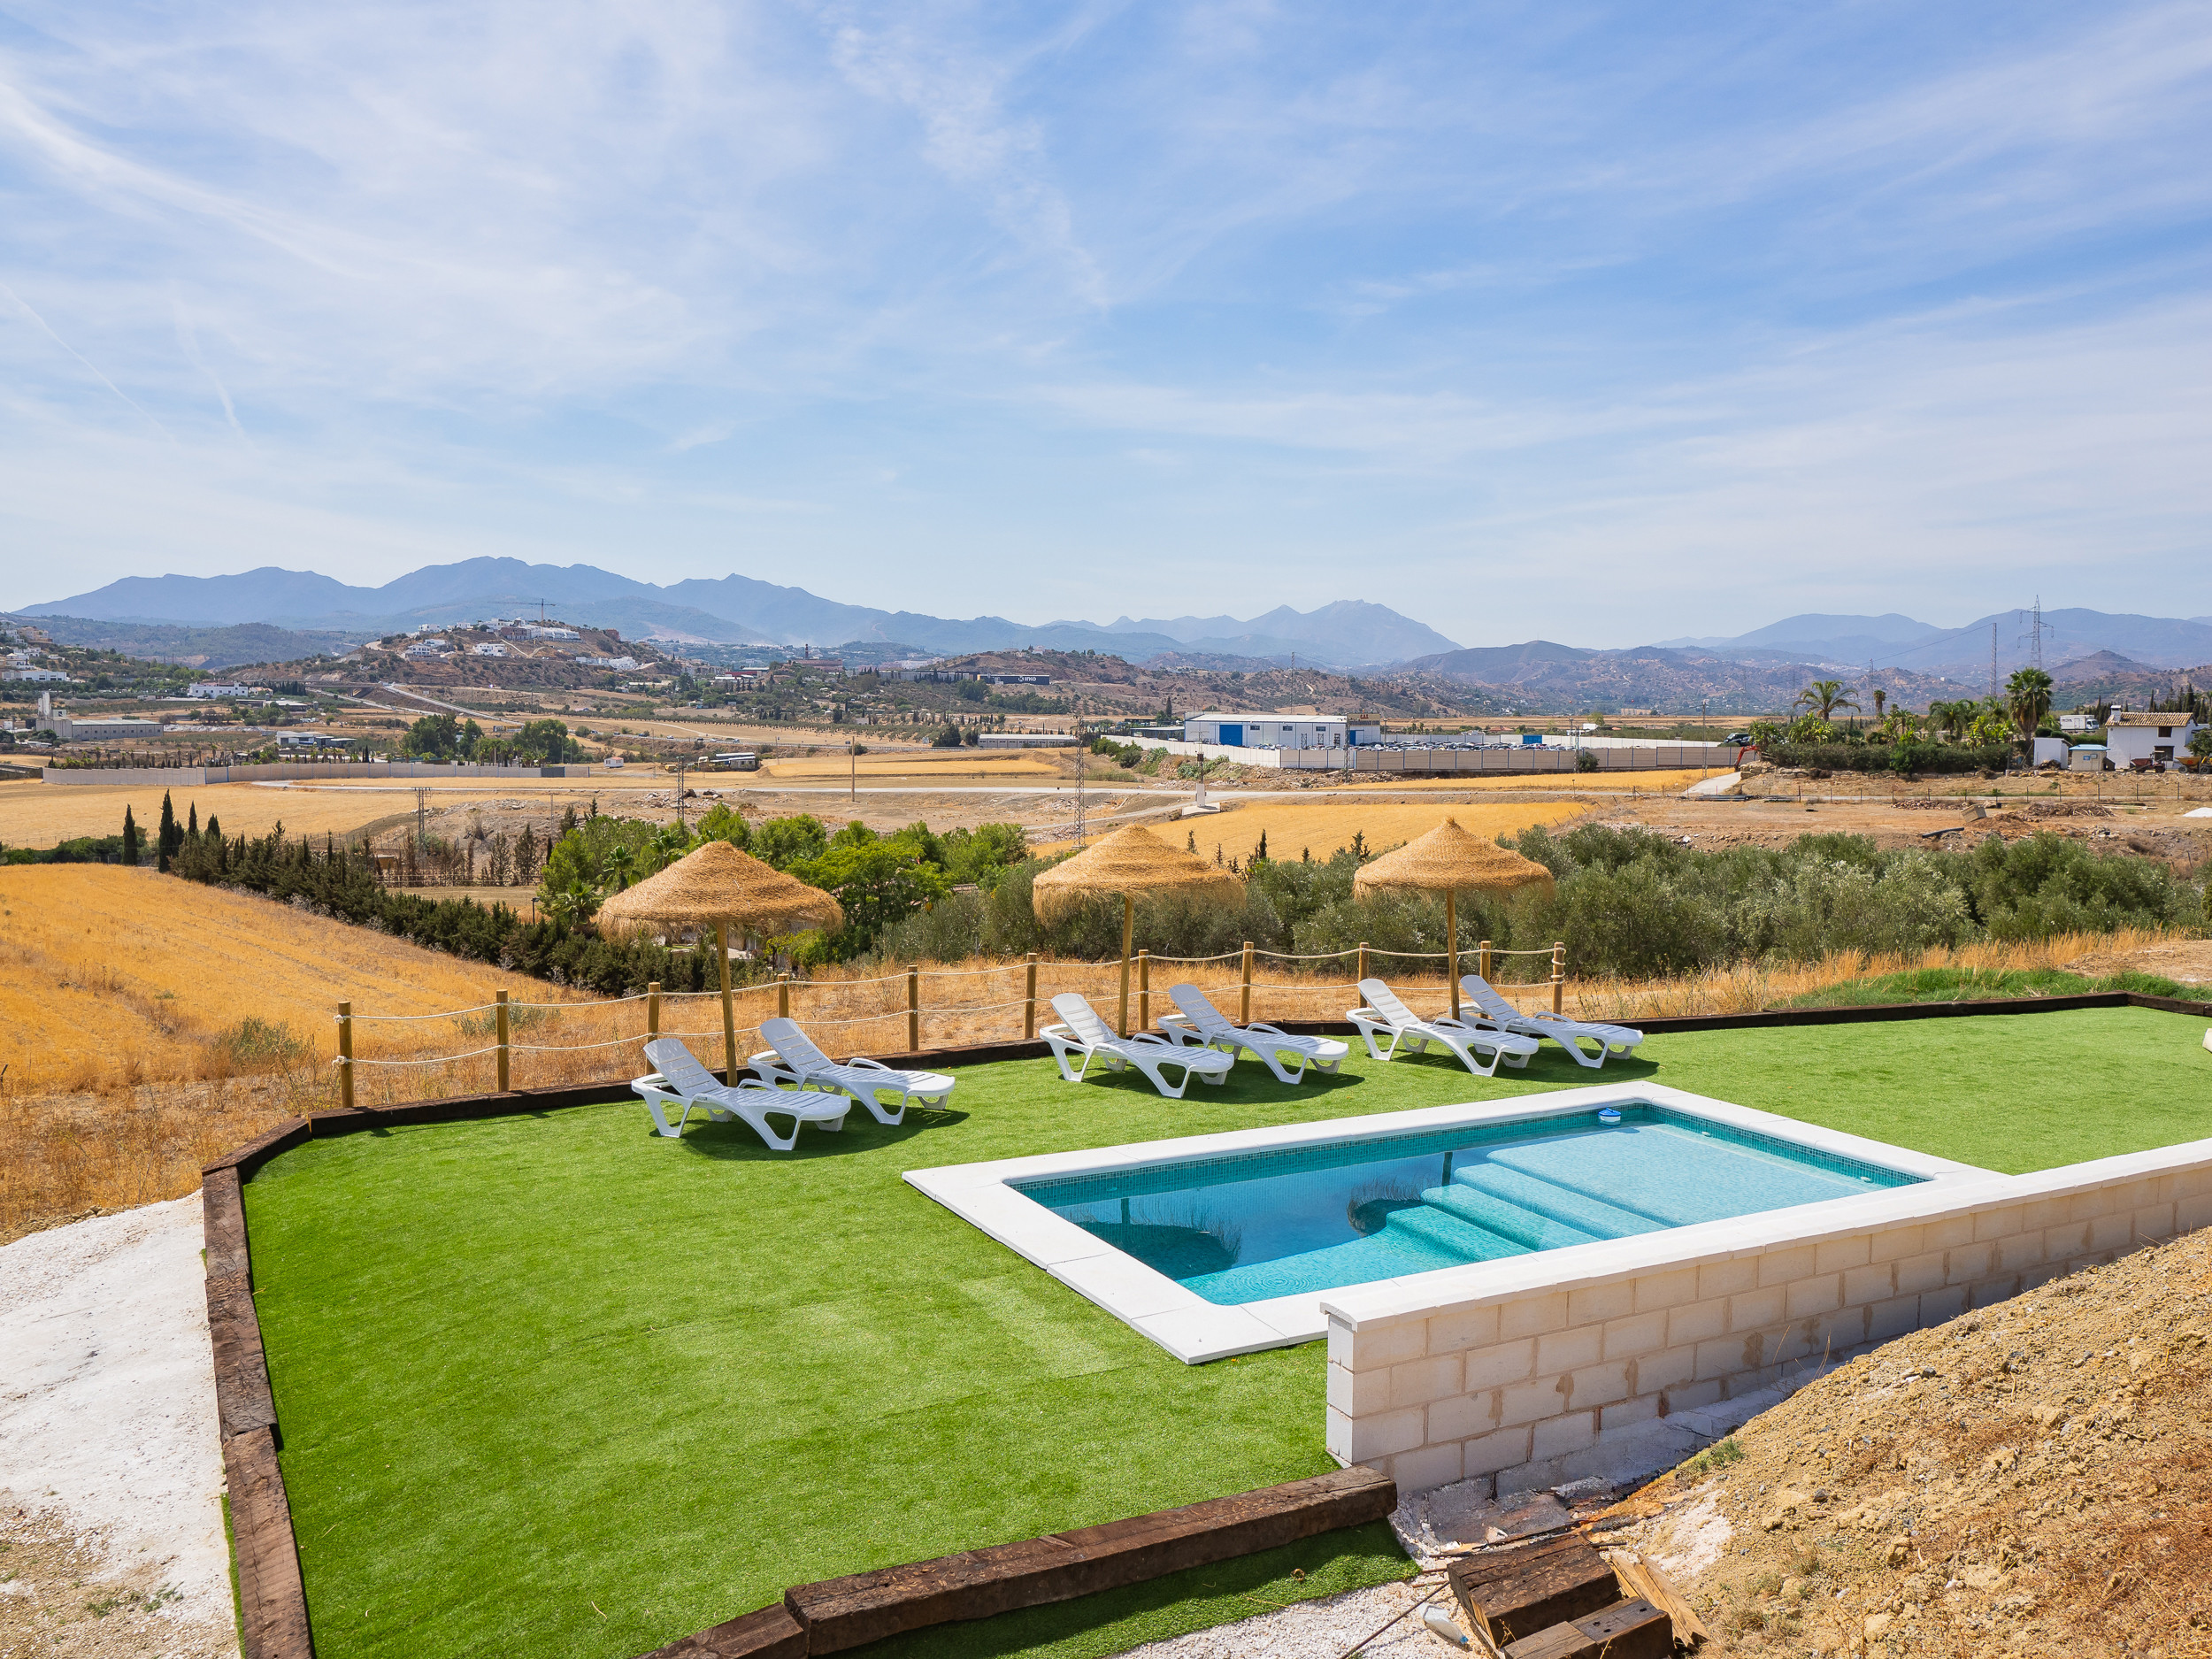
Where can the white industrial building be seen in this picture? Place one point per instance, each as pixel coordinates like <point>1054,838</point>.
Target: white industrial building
<point>1279,730</point>
<point>2162,735</point>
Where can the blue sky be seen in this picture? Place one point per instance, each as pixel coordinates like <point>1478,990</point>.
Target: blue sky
<point>1594,323</point>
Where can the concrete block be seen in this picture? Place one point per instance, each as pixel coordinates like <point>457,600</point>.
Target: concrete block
<point>1492,1367</point>
<point>1875,1282</point>
<point>1507,1449</point>
<point>1694,1322</point>
<point>1532,1315</point>
<point>1626,1414</point>
<point>1556,1437</point>
<point>2035,1278</point>
<point>1919,1272</point>
<point>1385,1434</point>
<point>1428,1467</point>
<point>1380,1346</point>
<point>2153,1221</point>
<point>1464,1417</point>
<point>1998,1221</point>
<point>1724,1356</point>
<point>1668,1289</point>
<point>1991,1291</point>
<point>1785,1262</point>
<point>1336,1434</point>
<point>1599,1385</point>
<point>2067,1243</point>
<point>2113,1232</point>
<point>1756,1309</point>
<point>1691,1396</point>
<point>1359,1393</point>
<point>1963,1264</point>
<point>1638,1333</point>
<point>1892,1242</point>
<point>1948,1302</point>
<point>1595,1304</point>
<point>1525,1402</point>
<point>1464,1328</point>
<point>1667,1370</point>
<point>2020,1252</point>
<point>1340,1341</point>
<point>1947,1233</point>
<point>1418,1381</point>
<point>1833,1256</point>
<point>1725,1278</point>
<point>2041,1213</point>
<point>2192,1213</point>
<point>1811,1296</point>
<point>1569,1350</point>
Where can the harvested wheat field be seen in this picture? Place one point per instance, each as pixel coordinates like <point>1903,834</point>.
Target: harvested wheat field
<point>1295,827</point>
<point>2034,1478</point>
<point>948,764</point>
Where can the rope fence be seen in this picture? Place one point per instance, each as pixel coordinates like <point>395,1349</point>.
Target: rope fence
<point>888,1013</point>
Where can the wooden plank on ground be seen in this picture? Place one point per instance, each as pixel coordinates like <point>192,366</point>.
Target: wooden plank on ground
<point>1516,1593</point>
<point>841,1613</point>
<point>245,1159</point>
<point>223,1226</point>
<point>1626,1629</point>
<point>1641,1578</point>
<point>242,1400</point>
<point>272,1600</point>
<point>771,1634</point>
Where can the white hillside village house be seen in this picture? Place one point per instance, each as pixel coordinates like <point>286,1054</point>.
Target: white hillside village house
<point>2162,735</point>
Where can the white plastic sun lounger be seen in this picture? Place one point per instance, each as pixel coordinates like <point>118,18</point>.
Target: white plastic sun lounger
<point>1568,1033</point>
<point>794,1059</point>
<point>1386,1015</point>
<point>1082,1031</point>
<point>680,1080</point>
<point>1199,1021</point>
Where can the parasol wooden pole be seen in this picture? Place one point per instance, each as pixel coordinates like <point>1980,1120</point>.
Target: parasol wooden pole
<point>1451,944</point>
<point>1128,937</point>
<point>729,1015</point>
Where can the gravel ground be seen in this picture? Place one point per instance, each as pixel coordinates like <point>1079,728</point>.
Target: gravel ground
<point>111,1473</point>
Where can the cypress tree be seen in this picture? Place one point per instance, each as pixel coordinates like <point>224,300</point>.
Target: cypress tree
<point>192,819</point>
<point>214,826</point>
<point>168,835</point>
<point>130,837</point>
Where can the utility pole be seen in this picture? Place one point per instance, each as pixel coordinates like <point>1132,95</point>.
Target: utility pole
<point>420,797</point>
<point>1080,749</point>
<point>852,781</point>
<point>681,764</point>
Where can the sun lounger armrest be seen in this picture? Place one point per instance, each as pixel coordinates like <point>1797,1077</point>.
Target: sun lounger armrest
<point>1269,1031</point>
<point>858,1064</point>
<point>651,1080</point>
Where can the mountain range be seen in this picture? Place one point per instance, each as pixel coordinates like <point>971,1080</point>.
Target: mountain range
<point>1851,644</point>
<point>729,609</point>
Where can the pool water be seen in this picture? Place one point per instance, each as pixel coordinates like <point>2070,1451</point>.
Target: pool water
<point>1248,1226</point>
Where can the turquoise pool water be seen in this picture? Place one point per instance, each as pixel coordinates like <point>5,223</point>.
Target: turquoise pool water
<point>1250,1225</point>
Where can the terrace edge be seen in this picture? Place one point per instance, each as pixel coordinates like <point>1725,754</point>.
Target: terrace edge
<point>272,1611</point>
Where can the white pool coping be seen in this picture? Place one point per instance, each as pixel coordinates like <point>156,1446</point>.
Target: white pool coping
<point>1195,1330</point>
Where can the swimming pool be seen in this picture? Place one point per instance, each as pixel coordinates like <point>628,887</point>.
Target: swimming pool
<point>1254,1225</point>
<point>1222,1244</point>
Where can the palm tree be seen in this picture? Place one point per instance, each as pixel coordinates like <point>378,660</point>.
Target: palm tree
<point>1823,697</point>
<point>2028,699</point>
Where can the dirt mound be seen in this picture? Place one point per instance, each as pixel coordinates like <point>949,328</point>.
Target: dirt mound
<point>2062,809</point>
<point>2032,1478</point>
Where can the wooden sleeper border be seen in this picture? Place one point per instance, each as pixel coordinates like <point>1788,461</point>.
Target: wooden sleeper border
<point>840,1613</point>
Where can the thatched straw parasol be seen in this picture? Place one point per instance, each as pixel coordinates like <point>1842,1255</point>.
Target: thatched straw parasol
<point>1450,859</point>
<point>716,883</point>
<point>1130,862</point>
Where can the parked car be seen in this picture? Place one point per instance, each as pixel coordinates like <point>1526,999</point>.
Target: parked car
<point>1740,739</point>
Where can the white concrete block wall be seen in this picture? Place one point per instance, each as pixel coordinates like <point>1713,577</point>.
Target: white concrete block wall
<point>1516,1384</point>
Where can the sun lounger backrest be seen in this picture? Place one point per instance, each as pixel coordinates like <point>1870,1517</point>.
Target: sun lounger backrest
<point>675,1063</point>
<point>1485,996</point>
<point>1081,1018</point>
<point>1385,1002</point>
<point>1199,1010</point>
<point>793,1046</point>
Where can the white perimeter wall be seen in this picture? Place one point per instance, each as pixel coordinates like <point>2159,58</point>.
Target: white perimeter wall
<point>1529,1378</point>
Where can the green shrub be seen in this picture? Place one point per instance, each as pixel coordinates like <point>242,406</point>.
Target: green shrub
<point>1909,757</point>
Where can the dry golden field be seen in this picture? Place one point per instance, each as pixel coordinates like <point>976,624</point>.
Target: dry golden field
<point>946,765</point>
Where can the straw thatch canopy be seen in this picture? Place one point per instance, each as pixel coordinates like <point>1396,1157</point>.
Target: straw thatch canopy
<point>1447,859</point>
<point>1133,863</point>
<point>718,883</point>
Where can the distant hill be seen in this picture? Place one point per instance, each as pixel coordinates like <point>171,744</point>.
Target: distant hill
<point>211,647</point>
<point>1897,641</point>
<point>728,610</point>
<point>1541,676</point>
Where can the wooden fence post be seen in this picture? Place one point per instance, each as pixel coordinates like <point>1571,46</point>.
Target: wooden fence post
<point>499,1013</point>
<point>913,1008</point>
<point>783,996</point>
<point>653,1009</point>
<point>1144,990</point>
<point>1029,1007</point>
<point>1558,975</point>
<point>1362,975</point>
<point>345,1055</point>
<point>1244,1013</point>
<point>1483,956</point>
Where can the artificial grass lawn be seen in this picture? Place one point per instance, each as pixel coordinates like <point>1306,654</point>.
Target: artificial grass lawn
<point>551,1384</point>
